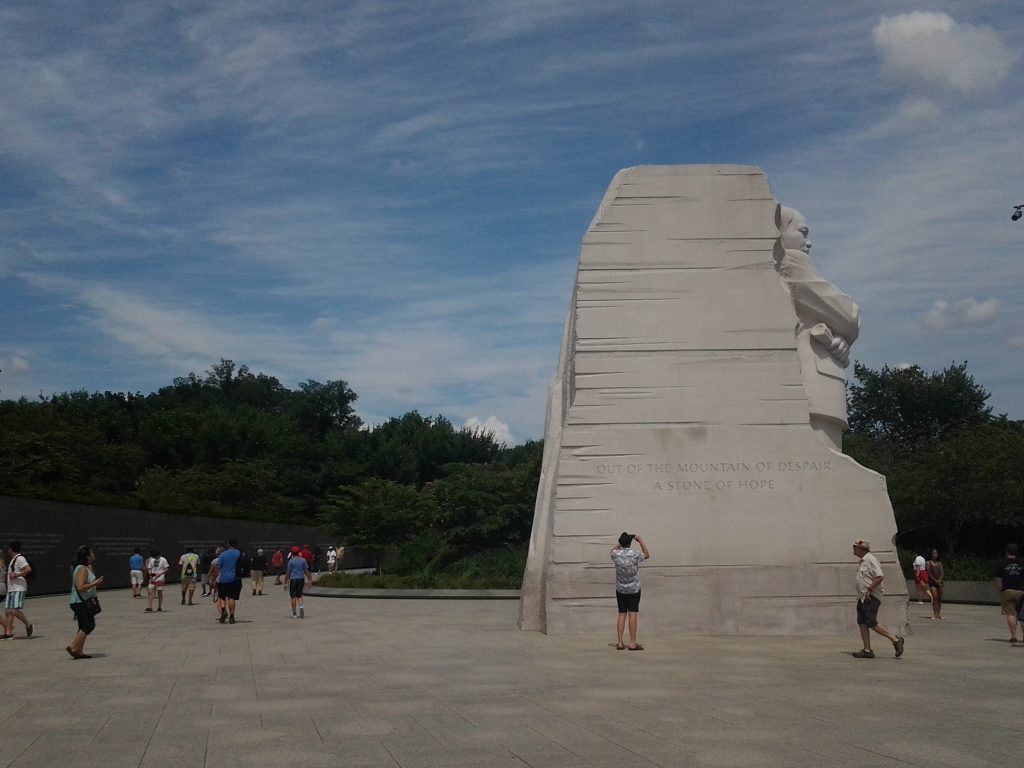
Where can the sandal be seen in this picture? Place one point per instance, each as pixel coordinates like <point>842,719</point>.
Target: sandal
<point>620,647</point>
<point>636,647</point>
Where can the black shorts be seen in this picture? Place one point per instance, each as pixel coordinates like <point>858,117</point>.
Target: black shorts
<point>628,603</point>
<point>867,611</point>
<point>86,618</point>
<point>295,587</point>
<point>230,590</point>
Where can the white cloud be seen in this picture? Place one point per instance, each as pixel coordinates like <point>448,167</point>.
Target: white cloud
<point>966,312</point>
<point>934,50</point>
<point>497,428</point>
<point>14,364</point>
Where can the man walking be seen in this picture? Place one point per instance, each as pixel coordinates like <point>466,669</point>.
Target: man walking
<point>1009,580</point>
<point>259,567</point>
<point>135,572</point>
<point>298,576</point>
<point>869,587</point>
<point>189,563</point>
<point>157,567</point>
<point>278,562</point>
<point>17,574</point>
<point>229,581</point>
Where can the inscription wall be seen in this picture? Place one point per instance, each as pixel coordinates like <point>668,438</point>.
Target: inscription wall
<point>51,532</point>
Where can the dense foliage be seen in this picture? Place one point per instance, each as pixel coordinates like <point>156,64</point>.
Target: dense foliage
<point>234,443</point>
<point>953,468</point>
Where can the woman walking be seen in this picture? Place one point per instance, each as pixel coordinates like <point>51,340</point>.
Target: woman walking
<point>936,579</point>
<point>83,587</point>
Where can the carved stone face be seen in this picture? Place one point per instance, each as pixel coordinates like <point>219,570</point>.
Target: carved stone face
<point>796,235</point>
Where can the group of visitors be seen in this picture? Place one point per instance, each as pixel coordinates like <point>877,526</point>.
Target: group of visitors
<point>929,579</point>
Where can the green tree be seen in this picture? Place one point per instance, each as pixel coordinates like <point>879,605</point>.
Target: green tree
<point>948,462</point>
<point>376,515</point>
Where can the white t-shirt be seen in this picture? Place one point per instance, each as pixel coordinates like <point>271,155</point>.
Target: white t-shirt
<point>16,583</point>
<point>869,570</point>
<point>332,556</point>
<point>157,567</point>
<point>919,563</point>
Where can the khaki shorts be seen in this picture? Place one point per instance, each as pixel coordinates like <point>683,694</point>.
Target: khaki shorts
<point>1008,600</point>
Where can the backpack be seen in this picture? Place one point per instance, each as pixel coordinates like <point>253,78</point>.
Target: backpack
<point>190,569</point>
<point>31,568</point>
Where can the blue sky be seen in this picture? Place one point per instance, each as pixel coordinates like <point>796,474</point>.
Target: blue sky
<point>394,193</point>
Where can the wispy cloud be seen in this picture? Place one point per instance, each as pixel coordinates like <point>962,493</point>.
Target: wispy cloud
<point>944,315</point>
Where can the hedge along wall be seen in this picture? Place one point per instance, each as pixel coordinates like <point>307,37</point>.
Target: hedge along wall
<point>51,532</point>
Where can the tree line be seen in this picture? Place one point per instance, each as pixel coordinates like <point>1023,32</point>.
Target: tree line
<point>234,443</point>
<point>955,471</point>
<point>239,444</point>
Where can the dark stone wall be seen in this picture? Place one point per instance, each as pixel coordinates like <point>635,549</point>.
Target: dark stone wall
<point>51,532</point>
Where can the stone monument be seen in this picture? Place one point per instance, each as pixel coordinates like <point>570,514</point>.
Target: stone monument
<point>700,401</point>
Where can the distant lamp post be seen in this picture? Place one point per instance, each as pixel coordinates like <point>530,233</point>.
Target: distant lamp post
<point>1017,212</point>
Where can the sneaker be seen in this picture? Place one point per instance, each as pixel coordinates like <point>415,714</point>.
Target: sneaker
<point>183,601</point>
<point>148,610</point>
<point>223,615</point>
<point>864,654</point>
<point>29,630</point>
<point>898,645</point>
<point>231,620</point>
<point>294,616</point>
<point>302,612</point>
<point>6,637</point>
<point>1014,640</point>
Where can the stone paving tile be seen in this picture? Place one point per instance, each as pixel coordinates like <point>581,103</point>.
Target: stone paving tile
<point>422,684</point>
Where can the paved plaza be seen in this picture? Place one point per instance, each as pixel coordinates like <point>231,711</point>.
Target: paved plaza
<point>417,683</point>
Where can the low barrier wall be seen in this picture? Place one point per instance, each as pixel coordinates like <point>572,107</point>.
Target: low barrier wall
<point>51,532</point>
<point>971,592</point>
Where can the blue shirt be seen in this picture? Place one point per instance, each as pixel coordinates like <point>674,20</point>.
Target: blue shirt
<point>135,562</point>
<point>297,568</point>
<point>228,562</point>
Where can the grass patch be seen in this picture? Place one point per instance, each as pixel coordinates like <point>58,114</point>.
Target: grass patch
<point>494,569</point>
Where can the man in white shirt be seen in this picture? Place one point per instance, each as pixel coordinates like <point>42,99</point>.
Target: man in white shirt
<point>869,589</point>
<point>17,587</point>
<point>157,568</point>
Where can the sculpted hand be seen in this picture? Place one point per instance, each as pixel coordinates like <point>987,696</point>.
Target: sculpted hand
<point>839,349</point>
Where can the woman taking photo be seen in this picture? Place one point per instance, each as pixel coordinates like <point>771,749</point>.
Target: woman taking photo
<point>83,587</point>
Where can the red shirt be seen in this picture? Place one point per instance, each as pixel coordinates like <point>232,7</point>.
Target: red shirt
<point>278,559</point>
<point>308,557</point>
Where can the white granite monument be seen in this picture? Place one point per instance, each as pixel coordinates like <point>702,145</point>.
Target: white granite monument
<point>700,402</point>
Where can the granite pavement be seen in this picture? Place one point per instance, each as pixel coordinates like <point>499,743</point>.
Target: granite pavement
<point>422,683</point>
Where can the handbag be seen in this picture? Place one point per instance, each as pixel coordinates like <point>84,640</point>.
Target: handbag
<point>92,604</point>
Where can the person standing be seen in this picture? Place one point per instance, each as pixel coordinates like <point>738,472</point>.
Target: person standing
<point>307,555</point>
<point>205,559</point>
<point>299,575</point>
<point>332,559</point>
<point>259,567</point>
<point>277,560</point>
<point>869,589</point>
<point>135,572</point>
<point>229,581</point>
<point>18,570</point>
<point>921,578</point>
<point>1009,580</point>
<point>157,568</point>
<point>627,586</point>
<point>936,581</point>
<point>189,563</point>
<point>83,586</point>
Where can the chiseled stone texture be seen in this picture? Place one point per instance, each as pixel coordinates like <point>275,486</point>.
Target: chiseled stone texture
<point>678,412</point>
